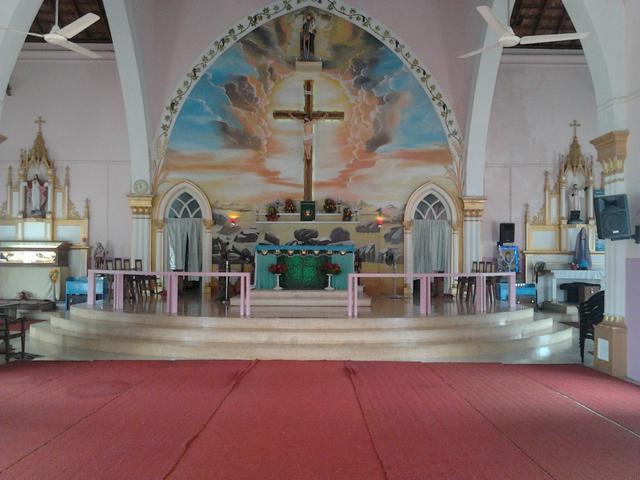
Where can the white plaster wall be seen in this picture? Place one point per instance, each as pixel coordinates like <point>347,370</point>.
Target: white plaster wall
<point>81,101</point>
<point>536,99</point>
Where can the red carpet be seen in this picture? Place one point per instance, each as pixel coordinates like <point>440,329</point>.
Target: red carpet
<point>312,420</point>
<point>619,401</point>
<point>423,429</point>
<point>565,439</point>
<point>287,420</point>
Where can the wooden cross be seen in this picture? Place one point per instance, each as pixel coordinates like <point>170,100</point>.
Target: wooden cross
<point>308,116</point>
<point>575,126</point>
<point>40,121</point>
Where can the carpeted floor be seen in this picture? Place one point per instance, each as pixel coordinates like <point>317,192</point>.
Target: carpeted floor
<point>315,420</point>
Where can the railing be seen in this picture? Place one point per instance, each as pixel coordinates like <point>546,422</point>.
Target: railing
<point>171,284</point>
<point>425,287</point>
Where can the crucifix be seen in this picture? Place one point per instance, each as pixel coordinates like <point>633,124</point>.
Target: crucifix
<point>575,126</point>
<point>40,121</point>
<point>308,117</point>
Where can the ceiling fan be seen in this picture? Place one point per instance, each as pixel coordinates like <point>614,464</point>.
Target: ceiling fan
<point>509,39</point>
<point>60,36</point>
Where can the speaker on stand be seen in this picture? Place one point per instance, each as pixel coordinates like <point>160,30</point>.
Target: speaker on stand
<point>507,233</point>
<point>612,217</point>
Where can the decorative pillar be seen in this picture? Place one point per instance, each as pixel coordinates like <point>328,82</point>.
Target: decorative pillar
<point>141,228</point>
<point>611,334</point>
<point>408,256</point>
<point>473,207</point>
<point>207,244</point>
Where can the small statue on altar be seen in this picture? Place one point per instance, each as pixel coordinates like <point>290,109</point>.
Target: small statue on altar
<point>308,38</point>
<point>575,209</point>
<point>37,195</point>
<point>99,256</point>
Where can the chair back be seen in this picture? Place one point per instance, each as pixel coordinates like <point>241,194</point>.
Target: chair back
<point>591,312</point>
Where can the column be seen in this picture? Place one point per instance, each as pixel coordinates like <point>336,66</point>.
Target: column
<point>473,207</point>
<point>408,257</point>
<point>207,257</point>
<point>141,206</point>
<point>611,334</point>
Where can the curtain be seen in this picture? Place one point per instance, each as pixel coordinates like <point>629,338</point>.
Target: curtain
<point>180,231</point>
<point>431,246</point>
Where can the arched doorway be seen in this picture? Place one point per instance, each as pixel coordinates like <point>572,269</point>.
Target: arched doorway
<point>432,239</point>
<point>183,220</point>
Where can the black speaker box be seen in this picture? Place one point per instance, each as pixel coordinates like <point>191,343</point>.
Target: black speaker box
<point>507,233</point>
<point>612,217</point>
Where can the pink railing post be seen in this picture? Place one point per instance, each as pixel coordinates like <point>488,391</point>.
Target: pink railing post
<point>423,295</point>
<point>247,296</point>
<point>512,290</point>
<point>355,296</point>
<point>349,294</point>
<point>174,292</point>
<point>118,291</point>
<point>91,287</point>
<point>242,296</point>
<point>481,293</point>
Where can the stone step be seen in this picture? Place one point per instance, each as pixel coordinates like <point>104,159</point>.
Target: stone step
<point>401,351</point>
<point>520,314</point>
<point>354,336</point>
<point>301,298</point>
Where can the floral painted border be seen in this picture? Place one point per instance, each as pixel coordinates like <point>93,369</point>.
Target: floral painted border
<point>455,172</point>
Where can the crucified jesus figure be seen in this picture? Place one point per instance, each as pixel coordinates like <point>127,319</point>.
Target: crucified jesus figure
<point>308,116</point>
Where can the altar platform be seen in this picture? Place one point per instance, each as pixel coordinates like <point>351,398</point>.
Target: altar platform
<point>392,329</point>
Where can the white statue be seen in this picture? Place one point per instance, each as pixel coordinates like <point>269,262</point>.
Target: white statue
<point>575,208</point>
<point>38,195</point>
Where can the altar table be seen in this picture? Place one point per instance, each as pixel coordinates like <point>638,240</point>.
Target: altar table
<point>574,276</point>
<point>304,265</point>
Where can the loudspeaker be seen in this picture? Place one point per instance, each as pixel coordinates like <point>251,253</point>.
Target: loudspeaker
<point>507,233</point>
<point>612,217</point>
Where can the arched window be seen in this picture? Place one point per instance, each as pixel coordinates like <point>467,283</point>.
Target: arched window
<point>431,208</point>
<point>185,206</point>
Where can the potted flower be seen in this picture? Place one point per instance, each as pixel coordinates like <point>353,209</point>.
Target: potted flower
<point>331,269</point>
<point>330,205</point>
<point>272,213</point>
<point>347,214</point>
<point>277,269</point>
<point>289,206</point>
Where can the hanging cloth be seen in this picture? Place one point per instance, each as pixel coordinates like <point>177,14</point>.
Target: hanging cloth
<point>582,253</point>
<point>431,246</point>
<point>180,231</point>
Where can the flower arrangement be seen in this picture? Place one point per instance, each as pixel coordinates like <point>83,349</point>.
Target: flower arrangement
<point>272,213</point>
<point>277,268</point>
<point>289,206</point>
<point>347,214</point>
<point>330,205</point>
<point>331,268</point>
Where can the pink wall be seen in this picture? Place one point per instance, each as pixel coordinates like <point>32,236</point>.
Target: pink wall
<point>633,318</point>
<point>81,102</point>
<point>535,100</point>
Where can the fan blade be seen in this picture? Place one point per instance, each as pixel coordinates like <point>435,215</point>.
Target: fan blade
<point>79,25</point>
<point>78,49</point>
<point>561,37</point>
<point>493,21</point>
<point>21,32</point>
<point>480,50</point>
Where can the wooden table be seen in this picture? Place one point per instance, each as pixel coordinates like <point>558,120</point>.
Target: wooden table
<point>8,311</point>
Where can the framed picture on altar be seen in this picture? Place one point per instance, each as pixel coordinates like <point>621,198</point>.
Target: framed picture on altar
<point>508,260</point>
<point>307,211</point>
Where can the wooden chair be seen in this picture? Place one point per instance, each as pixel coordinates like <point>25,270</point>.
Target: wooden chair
<point>492,282</point>
<point>471,281</point>
<point>117,264</point>
<point>6,320</point>
<point>590,314</point>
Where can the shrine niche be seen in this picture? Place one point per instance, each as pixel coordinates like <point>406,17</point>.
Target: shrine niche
<point>38,206</point>
<point>550,235</point>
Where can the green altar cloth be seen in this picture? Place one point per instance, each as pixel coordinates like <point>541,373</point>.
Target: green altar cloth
<point>304,266</point>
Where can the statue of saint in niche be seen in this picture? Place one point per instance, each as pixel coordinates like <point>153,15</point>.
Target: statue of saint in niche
<point>308,38</point>
<point>37,192</point>
<point>575,208</point>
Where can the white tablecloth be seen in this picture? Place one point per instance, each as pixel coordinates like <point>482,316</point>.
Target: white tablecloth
<point>573,275</point>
